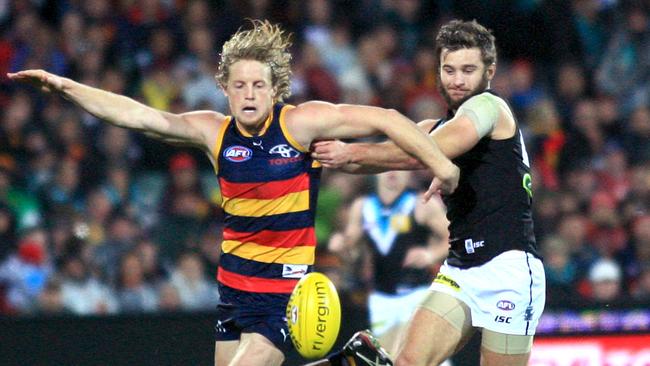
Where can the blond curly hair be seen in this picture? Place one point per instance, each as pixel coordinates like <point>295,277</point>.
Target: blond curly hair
<point>266,43</point>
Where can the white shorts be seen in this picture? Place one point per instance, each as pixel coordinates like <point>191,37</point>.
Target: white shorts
<point>387,311</point>
<point>505,295</point>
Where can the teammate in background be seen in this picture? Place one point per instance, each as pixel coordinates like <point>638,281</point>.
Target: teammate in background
<point>267,178</point>
<point>406,237</point>
<point>493,279</point>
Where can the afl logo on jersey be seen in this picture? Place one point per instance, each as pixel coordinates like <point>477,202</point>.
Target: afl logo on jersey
<point>237,153</point>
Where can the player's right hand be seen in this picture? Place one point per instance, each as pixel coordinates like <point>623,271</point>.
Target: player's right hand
<point>331,153</point>
<point>41,79</point>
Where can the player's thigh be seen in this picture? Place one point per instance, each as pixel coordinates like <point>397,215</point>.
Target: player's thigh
<point>436,330</point>
<point>505,349</point>
<point>429,339</point>
<point>224,352</point>
<point>390,338</point>
<point>256,350</point>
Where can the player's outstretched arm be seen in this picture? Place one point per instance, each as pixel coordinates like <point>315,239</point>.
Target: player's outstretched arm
<point>367,158</point>
<point>319,120</point>
<point>190,129</point>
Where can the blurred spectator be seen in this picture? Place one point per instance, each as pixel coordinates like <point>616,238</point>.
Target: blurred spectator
<point>585,135</point>
<point>637,257</point>
<point>525,91</point>
<point>543,124</point>
<point>579,185</point>
<point>606,234</point>
<point>196,292</point>
<point>7,231</point>
<point>561,271</point>
<point>148,252</point>
<point>115,147</point>
<point>611,118</point>
<point>613,175</point>
<point>81,292</point>
<point>573,229</point>
<point>25,272</point>
<point>120,239</point>
<point>623,71</point>
<point>41,163</point>
<point>64,194</point>
<point>591,27</point>
<point>637,201</point>
<point>168,298</point>
<point>321,84</point>
<point>185,210</point>
<point>405,17</point>
<point>50,300</point>
<point>209,248</point>
<point>570,87</point>
<point>605,281</point>
<point>159,89</point>
<point>641,290</point>
<point>196,70</point>
<point>546,213</point>
<point>134,293</point>
<point>97,215</point>
<point>15,121</point>
<point>637,136</point>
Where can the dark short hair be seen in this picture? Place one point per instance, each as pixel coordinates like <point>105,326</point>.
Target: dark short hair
<point>458,34</point>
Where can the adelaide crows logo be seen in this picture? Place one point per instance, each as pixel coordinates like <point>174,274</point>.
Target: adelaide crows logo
<point>284,150</point>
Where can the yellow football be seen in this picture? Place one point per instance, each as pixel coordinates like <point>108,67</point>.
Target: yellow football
<point>314,315</point>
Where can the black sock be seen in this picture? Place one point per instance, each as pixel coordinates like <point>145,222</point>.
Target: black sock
<point>338,359</point>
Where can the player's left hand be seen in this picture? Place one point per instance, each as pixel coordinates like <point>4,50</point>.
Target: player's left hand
<point>418,257</point>
<point>445,183</point>
<point>331,153</point>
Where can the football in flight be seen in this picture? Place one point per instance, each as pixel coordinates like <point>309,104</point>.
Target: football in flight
<point>314,315</point>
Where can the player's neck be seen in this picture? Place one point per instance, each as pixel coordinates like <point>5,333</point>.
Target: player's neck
<point>388,196</point>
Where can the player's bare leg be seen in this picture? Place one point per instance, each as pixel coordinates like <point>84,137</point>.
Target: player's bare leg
<point>256,350</point>
<point>489,358</point>
<point>390,339</point>
<point>224,351</point>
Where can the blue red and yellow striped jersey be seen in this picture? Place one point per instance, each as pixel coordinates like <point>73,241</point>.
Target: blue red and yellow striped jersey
<point>269,186</point>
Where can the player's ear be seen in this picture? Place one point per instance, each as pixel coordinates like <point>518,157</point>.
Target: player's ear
<point>221,86</point>
<point>491,70</point>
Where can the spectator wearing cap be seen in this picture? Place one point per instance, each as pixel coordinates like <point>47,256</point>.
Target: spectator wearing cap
<point>605,282</point>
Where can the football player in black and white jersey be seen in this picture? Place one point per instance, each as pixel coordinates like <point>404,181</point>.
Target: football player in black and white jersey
<point>405,238</point>
<point>493,279</point>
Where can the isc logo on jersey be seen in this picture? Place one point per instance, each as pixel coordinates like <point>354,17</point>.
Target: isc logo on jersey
<point>237,154</point>
<point>314,315</point>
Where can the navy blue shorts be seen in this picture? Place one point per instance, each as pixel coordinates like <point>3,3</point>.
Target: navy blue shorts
<point>245,312</point>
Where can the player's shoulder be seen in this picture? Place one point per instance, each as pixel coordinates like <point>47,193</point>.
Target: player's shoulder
<point>206,116</point>
<point>486,100</point>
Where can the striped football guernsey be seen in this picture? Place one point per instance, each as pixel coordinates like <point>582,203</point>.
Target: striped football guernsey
<point>269,186</point>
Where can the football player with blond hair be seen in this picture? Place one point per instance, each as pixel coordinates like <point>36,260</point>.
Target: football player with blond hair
<point>267,177</point>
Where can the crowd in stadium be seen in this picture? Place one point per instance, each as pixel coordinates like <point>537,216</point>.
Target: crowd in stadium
<point>98,220</point>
